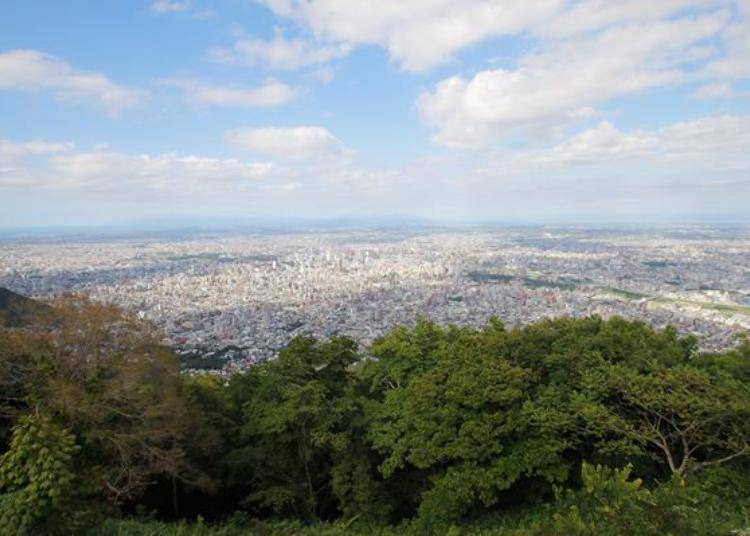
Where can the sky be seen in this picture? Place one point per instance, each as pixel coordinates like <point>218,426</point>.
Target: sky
<point>569,111</point>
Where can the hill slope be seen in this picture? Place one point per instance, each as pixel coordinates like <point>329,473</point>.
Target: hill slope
<point>17,310</point>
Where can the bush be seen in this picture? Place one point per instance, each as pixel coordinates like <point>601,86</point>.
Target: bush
<point>610,502</point>
<point>37,478</point>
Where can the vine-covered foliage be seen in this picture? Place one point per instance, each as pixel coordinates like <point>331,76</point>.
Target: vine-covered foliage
<point>37,477</point>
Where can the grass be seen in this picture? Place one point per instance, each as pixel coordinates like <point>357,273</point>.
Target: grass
<point>626,293</point>
<point>721,307</point>
<point>531,282</point>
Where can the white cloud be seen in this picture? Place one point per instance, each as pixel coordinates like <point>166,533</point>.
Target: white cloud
<point>195,9</point>
<point>603,143</point>
<point>582,53</point>
<point>270,93</point>
<point>454,184</point>
<point>553,85</point>
<point>717,90</point>
<point>295,143</point>
<point>30,70</point>
<point>112,171</point>
<point>12,151</point>
<point>169,6</point>
<point>418,34</point>
<point>735,63</point>
<point>278,53</point>
<point>421,34</point>
<point>324,75</point>
<point>707,140</point>
<point>594,15</point>
<point>54,165</point>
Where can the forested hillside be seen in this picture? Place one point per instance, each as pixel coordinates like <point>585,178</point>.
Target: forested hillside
<point>566,426</point>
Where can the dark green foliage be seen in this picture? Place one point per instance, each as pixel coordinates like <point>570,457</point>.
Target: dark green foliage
<point>466,421</point>
<point>497,417</point>
<point>295,412</point>
<point>435,430</point>
<point>611,502</point>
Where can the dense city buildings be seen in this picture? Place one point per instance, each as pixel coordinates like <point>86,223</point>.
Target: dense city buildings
<point>227,299</point>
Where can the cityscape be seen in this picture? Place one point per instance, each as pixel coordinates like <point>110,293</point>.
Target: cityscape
<point>226,299</point>
<point>394,268</point>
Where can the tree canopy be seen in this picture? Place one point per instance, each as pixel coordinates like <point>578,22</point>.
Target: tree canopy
<point>575,426</point>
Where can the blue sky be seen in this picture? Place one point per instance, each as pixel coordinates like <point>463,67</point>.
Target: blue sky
<point>556,110</point>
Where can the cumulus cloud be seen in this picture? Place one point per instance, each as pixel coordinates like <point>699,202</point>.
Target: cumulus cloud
<point>278,53</point>
<point>558,82</point>
<point>270,93</point>
<point>707,140</point>
<point>295,143</point>
<point>418,35</point>
<point>31,70</point>
<point>582,54</point>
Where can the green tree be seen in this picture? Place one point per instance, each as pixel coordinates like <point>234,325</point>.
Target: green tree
<point>686,416</point>
<point>295,415</point>
<point>469,419</point>
<point>463,420</point>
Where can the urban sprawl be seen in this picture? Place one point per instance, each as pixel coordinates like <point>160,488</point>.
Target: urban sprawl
<point>227,299</point>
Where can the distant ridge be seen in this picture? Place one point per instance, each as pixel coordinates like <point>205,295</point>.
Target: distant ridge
<point>17,310</point>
